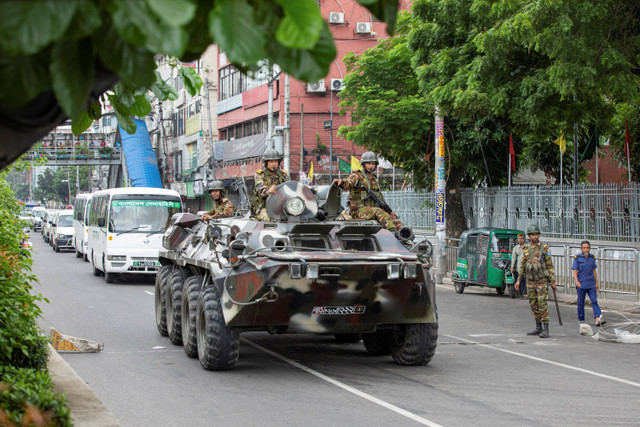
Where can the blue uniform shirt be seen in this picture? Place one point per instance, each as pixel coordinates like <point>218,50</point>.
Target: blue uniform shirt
<point>585,267</point>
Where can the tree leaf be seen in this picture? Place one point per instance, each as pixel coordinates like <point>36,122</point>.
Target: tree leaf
<point>85,21</point>
<point>302,24</point>
<point>308,65</point>
<point>173,12</point>
<point>81,123</point>
<point>192,80</point>
<point>28,26</point>
<point>234,27</point>
<point>22,78</point>
<point>71,78</point>
<point>125,121</point>
<point>385,10</point>
<point>162,90</point>
<point>141,107</point>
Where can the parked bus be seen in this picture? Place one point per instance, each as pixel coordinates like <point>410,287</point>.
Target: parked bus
<point>80,230</point>
<point>126,226</point>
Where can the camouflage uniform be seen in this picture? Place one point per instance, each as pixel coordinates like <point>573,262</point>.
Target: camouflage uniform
<point>222,208</point>
<point>357,184</point>
<point>537,290</point>
<point>264,179</point>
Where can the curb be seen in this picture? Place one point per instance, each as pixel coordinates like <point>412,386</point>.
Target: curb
<point>87,410</point>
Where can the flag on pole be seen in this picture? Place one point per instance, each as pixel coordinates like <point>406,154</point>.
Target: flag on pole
<point>343,166</point>
<point>592,146</point>
<point>561,142</point>
<point>512,153</point>
<point>311,173</point>
<point>355,164</point>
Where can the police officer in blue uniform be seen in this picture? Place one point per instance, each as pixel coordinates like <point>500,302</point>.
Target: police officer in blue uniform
<point>586,280</point>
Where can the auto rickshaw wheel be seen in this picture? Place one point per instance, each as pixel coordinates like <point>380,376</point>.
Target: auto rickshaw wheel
<point>501,289</point>
<point>458,286</point>
<point>512,291</point>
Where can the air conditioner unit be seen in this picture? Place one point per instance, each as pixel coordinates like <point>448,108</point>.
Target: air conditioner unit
<point>363,28</point>
<point>336,18</point>
<point>336,84</point>
<point>316,87</point>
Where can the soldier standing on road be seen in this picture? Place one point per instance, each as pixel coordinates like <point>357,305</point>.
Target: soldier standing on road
<point>266,181</point>
<point>586,280</point>
<point>222,207</point>
<point>537,268</point>
<point>360,206</point>
<point>516,262</point>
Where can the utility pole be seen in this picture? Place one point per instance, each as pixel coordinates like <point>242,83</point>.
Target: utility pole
<point>211,143</point>
<point>287,133</point>
<point>440,185</point>
<point>270,102</point>
<point>331,138</point>
<point>301,168</point>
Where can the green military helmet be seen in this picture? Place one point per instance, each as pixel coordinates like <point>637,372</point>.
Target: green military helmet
<point>533,229</point>
<point>368,157</point>
<point>271,154</point>
<point>216,185</point>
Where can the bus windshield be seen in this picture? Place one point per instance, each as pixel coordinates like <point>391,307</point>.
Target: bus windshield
<point>141,216</point>
<point>65,221</point>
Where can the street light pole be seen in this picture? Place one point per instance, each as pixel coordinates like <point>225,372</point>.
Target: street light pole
<point>331,139</point>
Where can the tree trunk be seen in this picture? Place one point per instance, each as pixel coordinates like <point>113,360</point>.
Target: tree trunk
<point>456,221</point>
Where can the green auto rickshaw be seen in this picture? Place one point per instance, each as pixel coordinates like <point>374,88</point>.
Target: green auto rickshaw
<point>484,259</point>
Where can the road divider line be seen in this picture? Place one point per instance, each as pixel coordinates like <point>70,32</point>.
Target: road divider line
<point>550,362</point>
<point>149,292</point>
<point>344,386</point>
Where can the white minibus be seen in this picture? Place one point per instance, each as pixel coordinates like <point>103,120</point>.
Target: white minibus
<point>126,226</point>
<point>80,230</point>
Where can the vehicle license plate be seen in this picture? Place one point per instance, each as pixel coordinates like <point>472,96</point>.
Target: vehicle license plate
<point>146,264</point>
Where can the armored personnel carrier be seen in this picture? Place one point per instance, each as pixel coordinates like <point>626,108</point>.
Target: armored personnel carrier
<point>307,271</point>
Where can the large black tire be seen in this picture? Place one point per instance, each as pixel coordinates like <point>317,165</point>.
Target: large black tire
<point>218,344</point>
<point>512,291</point>
<point>377,343</point>
<point>159,298</point>
<point>173,304</point>
<point>458,286</point>
<point>190,294</point>
<point>414,344</point>
<point>96,272</point>
<point>78,254</point>
<point>109,277</point>
<point>347,338</point>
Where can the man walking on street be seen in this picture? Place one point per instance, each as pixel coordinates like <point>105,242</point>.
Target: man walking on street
<point>360,205</point>
<point>586,280</point>
<point>222,207</point>
<point>516,262</point>
<point>537,268</point>
<point>266,180</point>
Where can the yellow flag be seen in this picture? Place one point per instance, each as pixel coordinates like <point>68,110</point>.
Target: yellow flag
<point>355,164</point>
<point>311,171</point>
<point>562,143</point>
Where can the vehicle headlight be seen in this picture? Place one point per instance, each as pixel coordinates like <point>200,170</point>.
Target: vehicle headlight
<point>117,257</point>
<point>294,206</point>
<point>60,236</point>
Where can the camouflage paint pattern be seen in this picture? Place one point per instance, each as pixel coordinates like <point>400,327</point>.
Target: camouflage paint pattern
<point>264,179</point>
<point>537,291</point>
<point>222,208</point>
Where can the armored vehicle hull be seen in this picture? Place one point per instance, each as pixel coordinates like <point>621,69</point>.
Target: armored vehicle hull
<point>297,275</point>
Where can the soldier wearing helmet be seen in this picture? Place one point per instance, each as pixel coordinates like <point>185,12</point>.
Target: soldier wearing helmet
<point>222,207</point>
<point>537,268</point>
<point>266,180</point>
<point>361,206</point>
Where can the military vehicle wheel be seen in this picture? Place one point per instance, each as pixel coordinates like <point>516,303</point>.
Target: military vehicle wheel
<point>218,344</point>
<point>512,291</point>
<point>173,304</point>
<point>189,313</point>
<point>346,338</point>
<point>458,286</point>
<point>159,298</point>
<point>377,343</point>
<point>414,344</point>
<point>501,289</point>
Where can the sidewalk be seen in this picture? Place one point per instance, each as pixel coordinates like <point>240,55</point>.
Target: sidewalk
<point>87,410</point>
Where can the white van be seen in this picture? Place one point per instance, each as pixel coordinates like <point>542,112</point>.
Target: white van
<point>62,231</point>
<point>80,230</point>
<point>126,226</point>
<point>38,215</point>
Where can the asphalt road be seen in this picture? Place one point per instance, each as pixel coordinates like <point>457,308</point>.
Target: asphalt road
<point>486,371</point>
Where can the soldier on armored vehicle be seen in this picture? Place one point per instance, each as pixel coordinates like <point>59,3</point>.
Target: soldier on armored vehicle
<point>294,274</point>
<point>266,180</point>
<point>366,200</point>
<point>222,207</point>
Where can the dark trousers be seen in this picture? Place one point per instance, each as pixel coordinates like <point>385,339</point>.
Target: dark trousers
<point>593,296</point>
<point>523,282</point>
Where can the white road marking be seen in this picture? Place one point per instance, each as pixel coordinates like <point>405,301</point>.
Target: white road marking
<point>149,292</point>
<point>550,362</point>
<point>344,386</point>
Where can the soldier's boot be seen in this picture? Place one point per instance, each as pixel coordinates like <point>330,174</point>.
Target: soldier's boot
<point>545,332</point>
<point>538,329</point>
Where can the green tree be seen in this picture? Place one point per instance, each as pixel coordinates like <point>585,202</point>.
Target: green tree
<point>77,50</point>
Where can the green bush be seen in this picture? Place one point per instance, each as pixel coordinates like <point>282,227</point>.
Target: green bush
<point>27,398</point>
